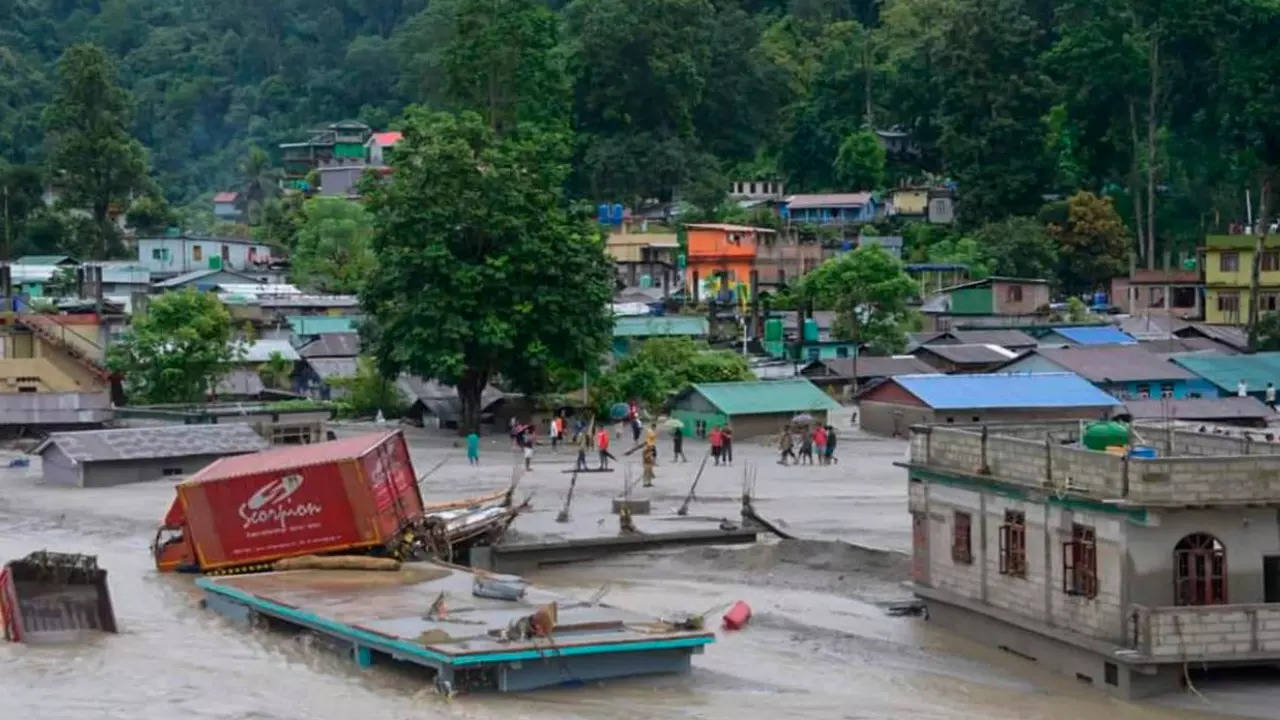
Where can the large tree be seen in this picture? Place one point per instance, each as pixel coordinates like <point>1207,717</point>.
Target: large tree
<point>93,159</point>
<point>869,291</point>
<point>332,252</point>
<point>482,271</point>
<point>1091,241</point>
<point>177,350</point>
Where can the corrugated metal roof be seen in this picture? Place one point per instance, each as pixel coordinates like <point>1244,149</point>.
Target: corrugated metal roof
<point>1231,335</point>
<point>1004,338</point>
<point>345,344</point>
<point>43,259</point>
<point>653,325</point>
<point>183,279</point>
<point>310,301</point>
<point>156,442</point>
<point>765,396</point>
<point>288,457</point>
<point>262,349</point>
<point>1226,370</point>
<point>728,228</point>
<point>333,367</point>
<point>242,382</point>
<point>969,354</point>
<point>872,366</point>
<point>32,273</point>
<point>322,324</point>
<point>273,289</point>
<point>390,137</point>
<point>1114,363</point>
<point>226,196</point>
<point>1223,408</point>
<point>1099,335</point>
<point>1004,390</point>
<point>821,200</point>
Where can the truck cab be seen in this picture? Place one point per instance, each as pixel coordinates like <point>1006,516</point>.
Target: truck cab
<point>172,547</point>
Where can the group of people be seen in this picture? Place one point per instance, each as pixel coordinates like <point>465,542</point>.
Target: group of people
<point>820,440</point>
<point>584,440</point>
<point>722,444</point>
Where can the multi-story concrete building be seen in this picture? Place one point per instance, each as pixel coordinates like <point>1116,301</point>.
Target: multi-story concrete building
<point>1126,572</point>
<point>1228,267</point>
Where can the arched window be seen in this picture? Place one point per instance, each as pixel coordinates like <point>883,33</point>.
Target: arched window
<point>1200,571</point>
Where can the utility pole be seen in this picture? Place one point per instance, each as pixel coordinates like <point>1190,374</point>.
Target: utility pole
<point>8,238</point>
<point>1259,247</point>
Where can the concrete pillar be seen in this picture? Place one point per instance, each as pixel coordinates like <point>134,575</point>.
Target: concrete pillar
<point>755,303</point>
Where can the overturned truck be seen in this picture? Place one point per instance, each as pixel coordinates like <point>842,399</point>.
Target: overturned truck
<point>354,495</point>
<point>50,597</point>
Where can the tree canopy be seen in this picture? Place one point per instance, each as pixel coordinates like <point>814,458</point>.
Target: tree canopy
<point>490,276</point>
<point>332,250</point>
<point>869,291</point>
<point>177,350</point>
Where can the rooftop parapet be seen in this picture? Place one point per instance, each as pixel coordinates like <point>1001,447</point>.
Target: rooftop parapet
<point>1203,469</point>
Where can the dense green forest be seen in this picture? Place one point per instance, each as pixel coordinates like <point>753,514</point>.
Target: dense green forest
<point>1167,108</point>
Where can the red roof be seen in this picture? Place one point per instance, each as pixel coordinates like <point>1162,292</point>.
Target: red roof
<point>289,457</point>
<point>225,197</point>
<point>727,227</point>
<point>387,138</point>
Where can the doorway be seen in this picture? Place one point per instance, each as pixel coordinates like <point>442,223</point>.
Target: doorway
<point>1271,578</point>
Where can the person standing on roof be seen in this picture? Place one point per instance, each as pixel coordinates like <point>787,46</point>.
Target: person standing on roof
<point>1242,388</point>
<point>1271,396</point>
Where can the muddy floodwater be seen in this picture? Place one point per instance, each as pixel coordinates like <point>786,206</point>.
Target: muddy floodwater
<point>820,644</point>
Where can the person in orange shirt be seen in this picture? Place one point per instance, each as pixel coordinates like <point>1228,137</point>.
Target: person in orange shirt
<point>717,442</point>
<point>602,444</point>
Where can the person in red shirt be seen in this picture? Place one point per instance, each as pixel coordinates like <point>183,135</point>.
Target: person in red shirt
<point>717,442</point>
<point>820,443</point>
<point>602,444</point>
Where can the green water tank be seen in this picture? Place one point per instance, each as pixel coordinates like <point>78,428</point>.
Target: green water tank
<point>1101,435</point>
<point>810,330</point>
<point>773,329</point>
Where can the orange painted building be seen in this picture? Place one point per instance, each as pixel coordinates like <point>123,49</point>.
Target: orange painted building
<point>724,254</point>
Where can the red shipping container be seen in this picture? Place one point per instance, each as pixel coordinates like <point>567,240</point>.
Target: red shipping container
<point>350,494</point>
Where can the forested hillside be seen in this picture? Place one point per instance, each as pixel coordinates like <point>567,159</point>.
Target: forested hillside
<point>1166,106</point>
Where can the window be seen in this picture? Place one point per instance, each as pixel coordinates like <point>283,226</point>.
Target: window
<point>1080,562</point>
<point>1200,571</point>
<point>961,539</point>
<point>1111,673</point>
<point>170,472</point>
<point>197,253</point>
<point>1270,260</point>
<point>1229,262</point>
<point>155,254</point>
<point>1014,293</point>
<point>842,351</point>
<point>1166,390</point>
<point>28,388</point>
<point>1267,301</point>
<point>1144,391</point>
<point>1013,544</point>
<point>1229,302</point>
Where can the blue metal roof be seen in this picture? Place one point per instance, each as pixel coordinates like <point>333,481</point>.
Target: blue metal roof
<point>1005,390</point>
<point>1096,335</point>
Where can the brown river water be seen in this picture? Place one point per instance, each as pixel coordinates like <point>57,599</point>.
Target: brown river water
<point>819,646</point>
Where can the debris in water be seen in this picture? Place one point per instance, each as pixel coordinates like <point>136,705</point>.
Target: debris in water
<point>47,596</point>
<point>738,616</point>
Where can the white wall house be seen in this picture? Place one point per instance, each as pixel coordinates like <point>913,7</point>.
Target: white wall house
<point>175,255</point>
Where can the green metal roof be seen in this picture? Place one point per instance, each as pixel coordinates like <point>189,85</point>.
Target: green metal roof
<point>321,324</point>
<point>1226,371</point>
<point>654,325</point>
<point>765,396</point>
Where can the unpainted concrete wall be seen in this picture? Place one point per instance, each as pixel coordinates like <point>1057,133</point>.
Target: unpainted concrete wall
<point>119,472</point>
<point>1212,630</point>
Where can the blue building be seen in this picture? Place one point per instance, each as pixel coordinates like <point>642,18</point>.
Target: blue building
<point>1127,372</point>
<point>830,208</point>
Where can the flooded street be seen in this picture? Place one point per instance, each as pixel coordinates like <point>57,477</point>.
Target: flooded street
<point>819,646</point>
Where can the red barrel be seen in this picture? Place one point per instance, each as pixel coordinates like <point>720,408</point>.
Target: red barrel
<point>737,616</point>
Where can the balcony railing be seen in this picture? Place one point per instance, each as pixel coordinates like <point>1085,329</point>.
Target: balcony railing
<point>1206,632</point>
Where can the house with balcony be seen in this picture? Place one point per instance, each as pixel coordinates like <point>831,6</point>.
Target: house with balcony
<point>345,140</point>
<point>1131,572</point>
<point>1175,289</point>
<point>829,208</point>
<point>1228,263</point>
<point>721,258</point>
